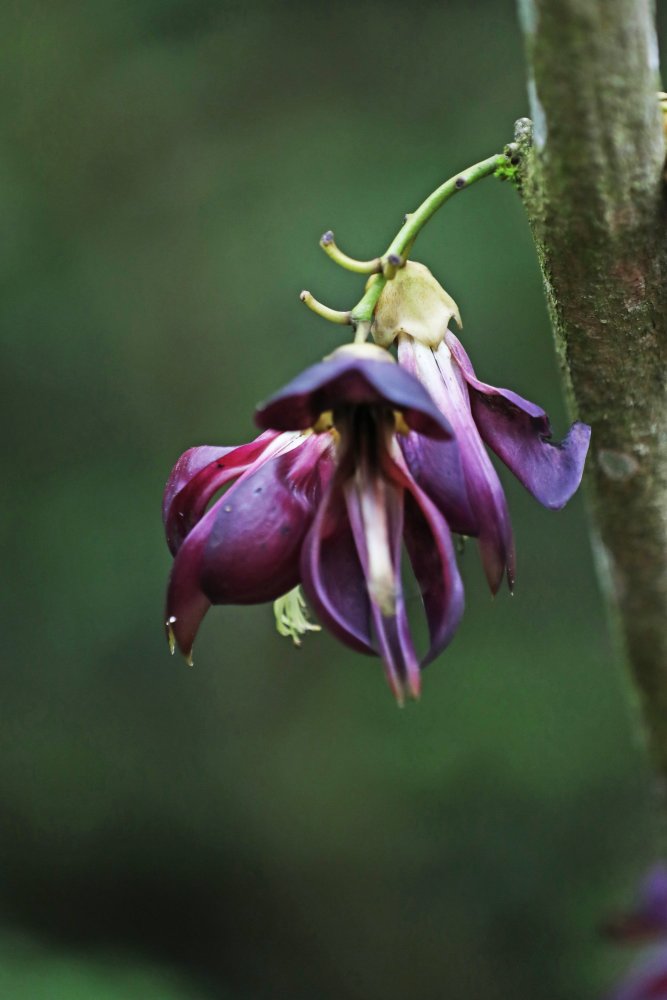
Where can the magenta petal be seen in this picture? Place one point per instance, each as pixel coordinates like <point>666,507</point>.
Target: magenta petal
<point>255,533</point>
<point>347,381</point>
<point>519,431</point>
<point>429,545</point>
<point>186,602</point>
<point>332,575</point>
<point>196,477</point>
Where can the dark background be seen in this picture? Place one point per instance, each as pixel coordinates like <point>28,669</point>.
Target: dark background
<point>268,824</point>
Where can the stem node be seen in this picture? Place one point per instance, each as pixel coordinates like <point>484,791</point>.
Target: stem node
<point>392,263</point>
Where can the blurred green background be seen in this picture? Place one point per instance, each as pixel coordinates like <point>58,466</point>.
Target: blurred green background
<point>268,824</point>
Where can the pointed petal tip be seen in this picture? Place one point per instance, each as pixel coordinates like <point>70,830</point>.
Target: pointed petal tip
<point>173,642</point>
<point>408,689</point>
<point>396,688</point>
<point>171,638</point>
<point>415,691</point>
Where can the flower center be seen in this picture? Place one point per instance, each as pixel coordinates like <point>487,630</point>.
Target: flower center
<point>366,434</point>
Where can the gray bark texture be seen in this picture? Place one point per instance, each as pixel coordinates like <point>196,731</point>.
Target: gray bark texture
<point>592,183</point>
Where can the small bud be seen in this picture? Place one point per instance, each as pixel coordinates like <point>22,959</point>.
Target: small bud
<point>415,304</point>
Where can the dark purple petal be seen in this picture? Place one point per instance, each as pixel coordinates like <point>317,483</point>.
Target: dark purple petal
<point>446,385</point>
<point>519,431</point>
<point>332,576</point>
<point>255,533</point>
<point>196,477</point>
<point>246,548</point>
<point>349,380</point>
<point>382,507</point>
<point>496,542</point>
<point>436,467</point>
<point>397,651</point>
<point>186,602</point>
<point>429,545</point>
<point>647,979</point>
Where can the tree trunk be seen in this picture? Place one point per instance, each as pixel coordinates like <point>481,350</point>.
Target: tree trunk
<point>592,182</point>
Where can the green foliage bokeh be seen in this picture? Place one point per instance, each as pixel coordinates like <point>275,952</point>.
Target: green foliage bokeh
<point>268,824</point>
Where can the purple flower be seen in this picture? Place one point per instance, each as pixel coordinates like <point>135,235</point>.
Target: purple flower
<point>647,979</point>
<point>416,313</point>
<point>350,559</point>
<point>326,498</point>
<point>246,548</point>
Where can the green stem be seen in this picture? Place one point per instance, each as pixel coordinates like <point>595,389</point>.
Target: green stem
<point>330,248</point>
<point>401,245</point>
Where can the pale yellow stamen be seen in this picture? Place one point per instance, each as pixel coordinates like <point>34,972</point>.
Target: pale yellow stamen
<point>324,422</point>
<point>291,617</point>
<point>400,426</point>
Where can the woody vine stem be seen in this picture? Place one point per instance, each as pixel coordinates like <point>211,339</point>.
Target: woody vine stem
<point>592,184</point>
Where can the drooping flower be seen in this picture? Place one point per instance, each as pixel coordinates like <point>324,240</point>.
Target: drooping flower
<point>324,497</point>
<point>246,548</point>
<point>415,311</point>
<point>351,555</point>
<point>647,922</point>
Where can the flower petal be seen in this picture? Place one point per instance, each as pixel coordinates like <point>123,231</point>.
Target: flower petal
<point>255,533</point>
<point>350,380</point>
<point>375,509</point>
<point>332,576</point>
<point>429,545</point>
<point>196,477</point>
<point>186,602</point>
<point>519,431</point>
<point>436,467</point>
<point>245,549</point>
<point>485,493</point>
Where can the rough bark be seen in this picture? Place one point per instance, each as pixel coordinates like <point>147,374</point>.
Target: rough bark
<point>592,182</point>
